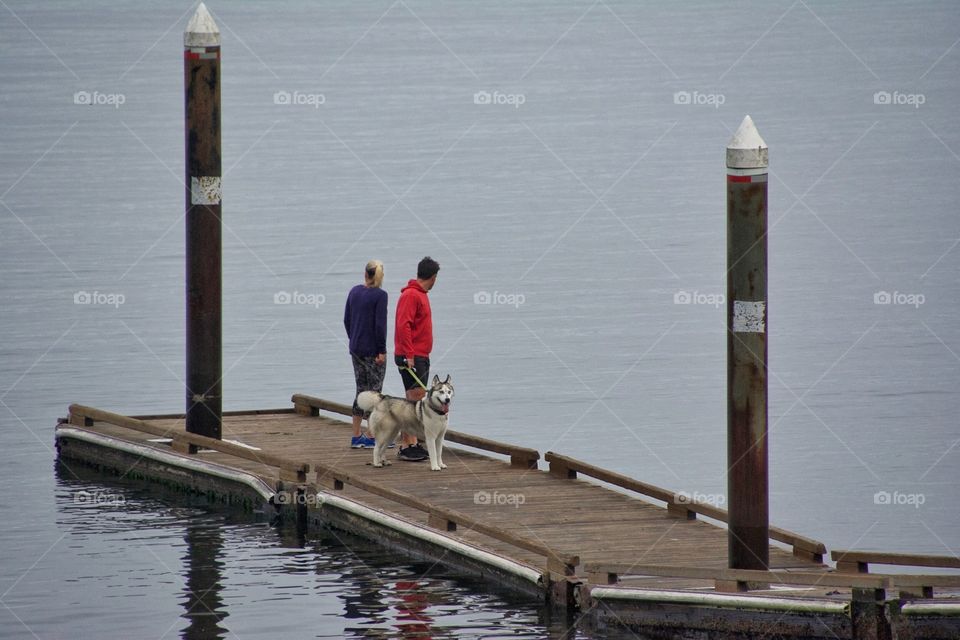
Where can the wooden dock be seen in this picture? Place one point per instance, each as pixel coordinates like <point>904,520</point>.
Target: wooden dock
<point>628,552</point>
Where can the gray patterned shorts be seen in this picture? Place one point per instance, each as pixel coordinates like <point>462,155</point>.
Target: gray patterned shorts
<point>369,376</point>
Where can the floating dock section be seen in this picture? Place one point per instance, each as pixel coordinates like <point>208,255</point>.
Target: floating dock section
<point>583,539</point>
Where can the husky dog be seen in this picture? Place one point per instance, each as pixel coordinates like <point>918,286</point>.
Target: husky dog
<point>426,419</point>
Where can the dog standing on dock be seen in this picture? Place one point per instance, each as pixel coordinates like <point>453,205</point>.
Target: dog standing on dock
<point>426,419</point>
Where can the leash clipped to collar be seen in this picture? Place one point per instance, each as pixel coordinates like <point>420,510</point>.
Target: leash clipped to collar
<point>411,372</point>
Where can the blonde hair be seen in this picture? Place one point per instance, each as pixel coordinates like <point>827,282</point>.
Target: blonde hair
<point>373,274</point>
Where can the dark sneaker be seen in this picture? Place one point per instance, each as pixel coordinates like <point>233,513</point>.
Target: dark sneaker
<point>420,451</point>
<point>413,453</point>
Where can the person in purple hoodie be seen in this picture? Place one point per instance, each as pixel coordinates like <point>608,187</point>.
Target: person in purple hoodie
<point>365,319</point>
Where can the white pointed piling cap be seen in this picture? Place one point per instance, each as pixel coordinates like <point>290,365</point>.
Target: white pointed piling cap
<point>747,150</point>
<point>201,31</point>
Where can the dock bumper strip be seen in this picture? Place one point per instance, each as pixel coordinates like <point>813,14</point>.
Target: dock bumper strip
<point>722,600</point>
<point>423,533</point>
<point>173,459</point>
<point>915,608</point>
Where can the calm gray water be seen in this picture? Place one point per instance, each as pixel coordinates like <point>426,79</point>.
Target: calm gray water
<point>565,159</point>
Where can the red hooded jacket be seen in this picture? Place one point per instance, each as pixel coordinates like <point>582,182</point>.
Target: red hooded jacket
<point>413,335</point>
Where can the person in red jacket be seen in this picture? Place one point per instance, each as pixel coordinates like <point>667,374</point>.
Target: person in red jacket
<point>413,341</point>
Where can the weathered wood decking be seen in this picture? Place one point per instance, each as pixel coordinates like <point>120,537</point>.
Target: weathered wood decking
<point>573,517</point>
<point>554,523</point>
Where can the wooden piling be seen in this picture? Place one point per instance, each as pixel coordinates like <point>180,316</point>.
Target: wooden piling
<point>749,529</point>
<point>201,70</point>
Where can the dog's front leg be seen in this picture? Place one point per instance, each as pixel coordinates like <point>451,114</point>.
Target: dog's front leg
<point>439,448</point>
<point>434,456</point>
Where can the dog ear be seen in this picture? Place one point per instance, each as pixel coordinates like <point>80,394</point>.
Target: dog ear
<point>436,380</point>
<point>447,381</point>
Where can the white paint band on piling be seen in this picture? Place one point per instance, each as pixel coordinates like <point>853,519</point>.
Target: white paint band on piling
<point>758,174</point>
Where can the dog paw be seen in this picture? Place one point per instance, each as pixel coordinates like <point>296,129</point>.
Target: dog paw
<point>443,466</point>
<point>377,465</point>
<point>434,468</point>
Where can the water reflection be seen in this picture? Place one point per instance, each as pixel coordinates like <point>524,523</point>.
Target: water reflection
<point>363,602</point>
<point>203,603</point>
<point>411,617</point>
<point>214,573</point>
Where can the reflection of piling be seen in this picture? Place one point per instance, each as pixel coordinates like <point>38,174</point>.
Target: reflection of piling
<point>202,600</point>
<point>748,527</point>
<point>201,68</point>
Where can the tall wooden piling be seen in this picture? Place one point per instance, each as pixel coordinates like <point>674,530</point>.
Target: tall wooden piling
<point>201,71</point>
<point>747,486</point>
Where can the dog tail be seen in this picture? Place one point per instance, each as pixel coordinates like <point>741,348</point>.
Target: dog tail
<point>367,400</point>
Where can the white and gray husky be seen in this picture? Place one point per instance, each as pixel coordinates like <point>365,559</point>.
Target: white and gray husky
<point>426,419</point>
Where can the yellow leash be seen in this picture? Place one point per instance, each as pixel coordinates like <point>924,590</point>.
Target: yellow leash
<point>410,371</point>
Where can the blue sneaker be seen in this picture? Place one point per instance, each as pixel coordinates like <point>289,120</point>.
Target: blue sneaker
<point>362,442</point>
